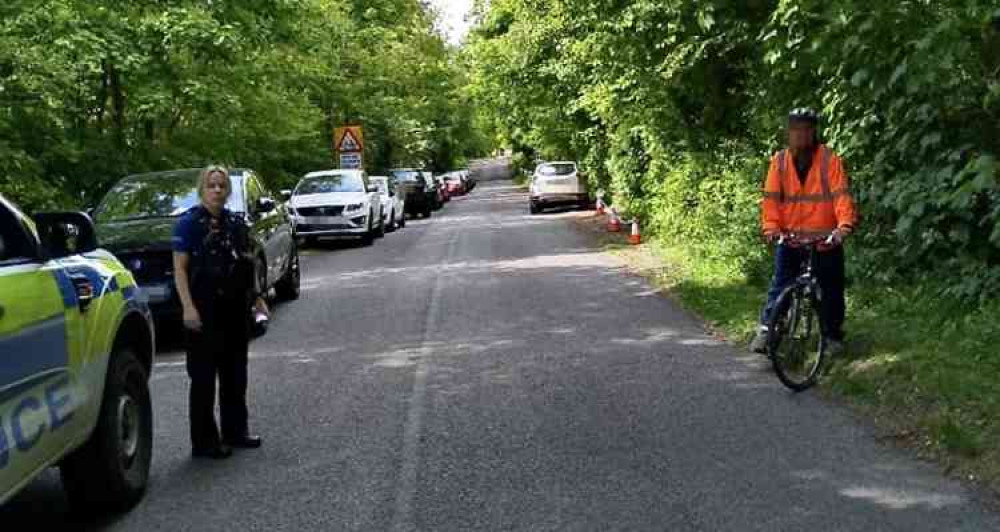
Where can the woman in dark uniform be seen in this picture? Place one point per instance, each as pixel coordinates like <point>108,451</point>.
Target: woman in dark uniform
<point>214,275</point>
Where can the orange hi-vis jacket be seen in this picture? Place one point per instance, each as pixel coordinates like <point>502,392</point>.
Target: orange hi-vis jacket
<point>822,204</point>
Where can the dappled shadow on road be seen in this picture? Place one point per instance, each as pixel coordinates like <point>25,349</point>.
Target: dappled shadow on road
<point>613,372</point>
<point>555,384</point>
<point>643,401</point>
<point>370,277</point>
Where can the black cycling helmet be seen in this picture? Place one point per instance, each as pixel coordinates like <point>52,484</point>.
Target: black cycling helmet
<point>804,114</point>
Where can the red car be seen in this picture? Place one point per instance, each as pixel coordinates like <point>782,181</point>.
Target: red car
<point>442,193</point>
<point>454,184</point>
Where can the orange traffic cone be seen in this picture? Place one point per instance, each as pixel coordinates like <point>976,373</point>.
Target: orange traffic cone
<point>600,206</point>
<point>635,238</point>
<point>614,222</point>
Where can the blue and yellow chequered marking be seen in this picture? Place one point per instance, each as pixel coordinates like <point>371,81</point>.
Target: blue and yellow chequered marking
<point>114,291</point>
<point>53,355</point>
<point>48,330</point>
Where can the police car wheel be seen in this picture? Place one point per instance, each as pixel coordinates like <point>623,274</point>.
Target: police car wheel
<point>111,470</point>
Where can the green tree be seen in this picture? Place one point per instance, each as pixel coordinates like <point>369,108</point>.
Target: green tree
<point>675,107</point>
<point>94,90</point>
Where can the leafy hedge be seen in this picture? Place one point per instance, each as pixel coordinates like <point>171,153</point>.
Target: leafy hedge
<point>675,108</point>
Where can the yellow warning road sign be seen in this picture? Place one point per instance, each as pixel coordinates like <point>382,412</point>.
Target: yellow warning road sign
<point>349,139</point>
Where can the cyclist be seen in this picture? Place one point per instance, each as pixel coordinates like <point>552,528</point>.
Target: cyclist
<point>806,194</point>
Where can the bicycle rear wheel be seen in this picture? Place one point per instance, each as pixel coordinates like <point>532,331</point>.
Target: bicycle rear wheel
<point>795,343</point>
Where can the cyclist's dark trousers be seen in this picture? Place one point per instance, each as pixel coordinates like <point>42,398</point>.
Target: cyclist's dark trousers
<point>788,264</point>
<point>219,351</point>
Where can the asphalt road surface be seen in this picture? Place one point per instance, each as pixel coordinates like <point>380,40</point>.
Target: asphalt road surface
<point>491,370</point>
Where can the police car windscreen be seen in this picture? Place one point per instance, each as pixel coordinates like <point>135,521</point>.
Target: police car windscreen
<point>556,169</point>
<point>331,183</point>
<point>155,196</point>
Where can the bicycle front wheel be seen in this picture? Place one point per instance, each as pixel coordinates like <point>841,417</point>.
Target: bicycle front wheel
<point>795,342</point>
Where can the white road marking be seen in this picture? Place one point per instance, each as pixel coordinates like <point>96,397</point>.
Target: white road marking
<point>403,518</point>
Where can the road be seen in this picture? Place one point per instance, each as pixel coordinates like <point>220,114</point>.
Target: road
<point>490,370</point>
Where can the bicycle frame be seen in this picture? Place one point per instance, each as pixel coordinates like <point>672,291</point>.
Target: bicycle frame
<point>807,279</point>
<point>800,300</point>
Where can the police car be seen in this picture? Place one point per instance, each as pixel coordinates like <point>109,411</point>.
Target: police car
<point>76,350</point>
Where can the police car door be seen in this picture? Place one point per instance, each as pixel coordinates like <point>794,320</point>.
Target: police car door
<point>34,353</point>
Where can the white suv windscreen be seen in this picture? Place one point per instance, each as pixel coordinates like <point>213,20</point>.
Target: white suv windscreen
<point>554,170</point>
<point>331,183</point>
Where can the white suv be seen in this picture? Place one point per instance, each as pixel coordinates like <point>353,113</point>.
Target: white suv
<point>393,203</point>
<point>558,183</point>
<point>337,203</point>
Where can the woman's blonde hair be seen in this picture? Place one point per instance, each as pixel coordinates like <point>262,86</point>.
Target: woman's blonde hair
<point>206,173</point>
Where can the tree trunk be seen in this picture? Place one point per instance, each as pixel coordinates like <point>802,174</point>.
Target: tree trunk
<point>102,97</point>
<point>117,104</point>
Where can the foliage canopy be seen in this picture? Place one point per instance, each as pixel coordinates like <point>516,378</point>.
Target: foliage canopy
<point>675,106</point>
<point>91,90</point>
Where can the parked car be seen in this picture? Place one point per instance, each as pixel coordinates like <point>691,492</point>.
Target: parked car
<point>413,188</point>
<point>443,187</point>
<point>437,187</point>
<point>556,184</point>
<point>337,203</point>
<point>393,203</point>
<point>78,345</point>
<point>135,221</point>
<point>470,179</point>
<point>454,183</point>
<point>432,190</point>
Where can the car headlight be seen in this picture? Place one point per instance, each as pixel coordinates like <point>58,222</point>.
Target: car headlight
<point>354,207</point>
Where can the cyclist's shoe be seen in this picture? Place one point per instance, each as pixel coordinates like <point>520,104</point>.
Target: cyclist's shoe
<point>759,343</point>
<point>833,348</point>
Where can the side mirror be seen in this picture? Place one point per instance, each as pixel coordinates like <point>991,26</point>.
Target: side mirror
<point>65,233</point>
<point>286,195</point>
<point>265,205</point>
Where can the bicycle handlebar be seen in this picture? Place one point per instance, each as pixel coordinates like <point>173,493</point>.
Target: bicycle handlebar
<point>794,240</point>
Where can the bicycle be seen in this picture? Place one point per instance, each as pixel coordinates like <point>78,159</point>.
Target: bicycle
<point>796,344</point>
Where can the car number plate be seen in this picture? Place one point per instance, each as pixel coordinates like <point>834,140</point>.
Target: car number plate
<point>324,220</point>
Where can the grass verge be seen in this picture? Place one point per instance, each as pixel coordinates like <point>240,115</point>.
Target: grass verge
<point>924,369</point>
